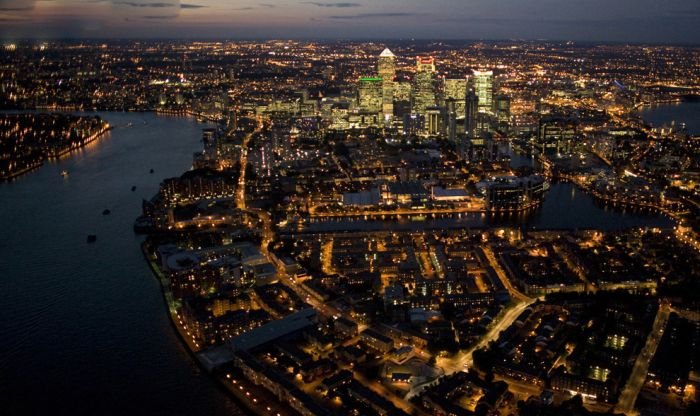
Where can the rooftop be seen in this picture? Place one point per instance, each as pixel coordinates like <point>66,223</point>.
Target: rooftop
<point>273,330</point>
<point>386,53</point>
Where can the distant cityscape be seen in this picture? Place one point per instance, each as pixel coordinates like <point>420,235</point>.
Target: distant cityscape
<point>354,234</point>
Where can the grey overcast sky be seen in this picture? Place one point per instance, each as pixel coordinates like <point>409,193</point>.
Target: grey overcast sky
<point>647,21</point>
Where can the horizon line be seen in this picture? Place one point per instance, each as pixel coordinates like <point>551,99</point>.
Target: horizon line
<point>348,40</point>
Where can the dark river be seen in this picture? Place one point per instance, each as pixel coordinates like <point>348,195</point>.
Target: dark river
<point>687,113</point>
<point>84,328</point>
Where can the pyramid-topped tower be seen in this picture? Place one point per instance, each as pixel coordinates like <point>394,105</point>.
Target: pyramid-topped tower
<point>387,70</point>
<point>387,53</point>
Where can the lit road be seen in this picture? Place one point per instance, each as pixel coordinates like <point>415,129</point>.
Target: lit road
<point>572,266</point>
<point>688,314</point>
<point>327,257</point>
<point>521,388</point>
<point>502,276</point>
<point>634,385</point>
<point>465,359</point>
<point>340,167</point>
<point>289,281</point>
<point>268,235</point>
<point>240,192</point>
<point>255,298</point>
<point>324,308</point>
<point>386,393</point>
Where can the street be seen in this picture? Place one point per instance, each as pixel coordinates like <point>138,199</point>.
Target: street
<point>634,385</point>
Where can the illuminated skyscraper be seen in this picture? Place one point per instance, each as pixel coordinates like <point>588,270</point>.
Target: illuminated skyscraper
<point>387,71</point>
<point>502,109</point>
<point>369,95</point>
<point>471,114</point>
<point>456,89</point>
<point>402,91</point>
<point>483,86</point>
<point>451,124</point>
<point>425,64</point>
<point>423,89</point>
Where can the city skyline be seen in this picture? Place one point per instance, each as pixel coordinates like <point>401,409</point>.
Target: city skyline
<point>350,207</point>
<point>591,20</point>
<point>377,228</point>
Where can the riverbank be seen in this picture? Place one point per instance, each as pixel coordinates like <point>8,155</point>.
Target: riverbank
<point>86,321</point>
<point>32,149</point>
<point>227,384</point>
<point>650,104</point>
<point>422,212</point>
<point>661,115</point>
<point>81,143</point>
<point>22,171</point>
<point>188,113</point>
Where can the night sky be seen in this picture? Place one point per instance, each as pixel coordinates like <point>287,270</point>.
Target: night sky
<point>651,21</point>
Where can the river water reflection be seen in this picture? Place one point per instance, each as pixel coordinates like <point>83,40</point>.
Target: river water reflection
<point>84,328</point>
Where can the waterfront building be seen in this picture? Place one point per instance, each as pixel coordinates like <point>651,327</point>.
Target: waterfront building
<point>555,135</point>
<point>271,379</point>
<point>212,328</point>
<point>404,193</point>
<point>511,192</point>
<point>196,185</point>
<point>449,194</point>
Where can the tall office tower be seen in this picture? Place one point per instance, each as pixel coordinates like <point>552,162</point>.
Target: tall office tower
<point>423,89</point>
<point>425,64</point>
<point>402,91</point>
<point>369,95</point>
<point>502,107</point>
<point>456,89</point>
<point>471,114</point>
<point>483,86</point>
<point>402,99</point>
<point>387,71</point>
<point>451,106</point>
